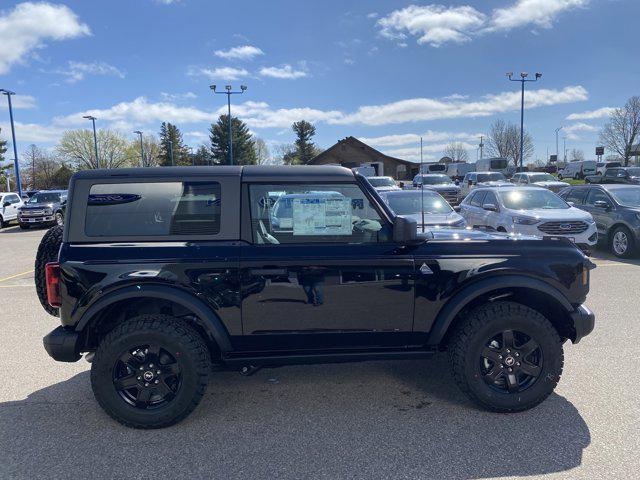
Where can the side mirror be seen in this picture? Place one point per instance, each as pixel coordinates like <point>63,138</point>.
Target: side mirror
<point>6,204</point>
<point>457,182</point>
<point>405,230</point>
<point>601,204</point>
<point>470,183</point>
<point>490,207</point>
<point>621,175</point>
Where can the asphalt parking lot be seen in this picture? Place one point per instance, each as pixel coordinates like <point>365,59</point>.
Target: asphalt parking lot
<point>401,419</point>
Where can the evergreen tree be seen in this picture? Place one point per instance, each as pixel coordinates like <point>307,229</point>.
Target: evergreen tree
<point>244,151</point>
<point>171,141</point>
<point>3,147</point>
<point>305,148</point>
<point>202,156</point>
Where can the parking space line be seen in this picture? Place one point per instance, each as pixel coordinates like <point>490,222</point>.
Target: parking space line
<point>14,276</point>
<point>13,286</point>
<point>612,264</point>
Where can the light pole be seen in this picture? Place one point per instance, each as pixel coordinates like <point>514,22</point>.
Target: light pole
<point>138,132</point>
<point>228,93</point>
<point>564,146</point>
<point>421,185</point>
<point>522,80</point>
<point>13,137</point>
<point>557,130</point>
<point>95,138</point>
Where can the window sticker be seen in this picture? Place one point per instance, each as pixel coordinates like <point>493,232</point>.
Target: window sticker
<point>322,216</point>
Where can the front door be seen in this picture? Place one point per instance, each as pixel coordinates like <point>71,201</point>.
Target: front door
<point>322,271</point>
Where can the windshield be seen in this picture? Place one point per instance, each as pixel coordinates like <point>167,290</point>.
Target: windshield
<point>542,177</point>
<point>629,197</point>
<point>532,199</point>
<point>435,179</point>
<point>381,181</point>
<point>491,177</point>
<point>437,167</point>
<point>45,198</point>
<point>634,172</point>
<point>499,164</point>
<point>410,203</point>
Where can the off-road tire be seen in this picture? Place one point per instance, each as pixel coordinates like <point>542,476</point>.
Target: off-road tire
<point>477,328</point>
<point>47,252</point>
<point>631,244</point>
<point>175,336</point>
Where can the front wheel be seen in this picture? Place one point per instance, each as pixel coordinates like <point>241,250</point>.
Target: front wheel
<point>150,371</point>
<point>59,218</point>
<point>622,242</point>
<point>506,357</point>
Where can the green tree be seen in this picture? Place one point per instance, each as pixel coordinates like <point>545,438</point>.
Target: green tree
<point>61,176</point>
<point>305,148</point>
<point>244,151</point>
<point>171,141</point>
<point>3,147</point>
<point>202,156</point>
<point>77,147</point>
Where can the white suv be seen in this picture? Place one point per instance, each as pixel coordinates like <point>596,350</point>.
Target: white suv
<point>9,204</point>
<point>528,211</point>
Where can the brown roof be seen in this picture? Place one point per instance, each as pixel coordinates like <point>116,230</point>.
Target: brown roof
<point>354,142</point>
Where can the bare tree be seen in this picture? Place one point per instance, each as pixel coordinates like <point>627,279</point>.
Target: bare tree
<point>285,154</point>
<point>576,155</point>
<point>263,155</point>
<point>77,147</point>
<point>457,152</point>
<point>152,152</point>
<point>623,129</point>
<point>504,141</point>
<point>41,167</point>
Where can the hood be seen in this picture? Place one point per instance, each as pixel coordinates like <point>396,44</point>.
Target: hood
<point>387,189</point>
<point>462,234</point>
<point>496,183</point>
<point>556,215</point>
<point>37,206</point>
<point>551,183</point>
<point>444,186</point>
<point>437,219</point>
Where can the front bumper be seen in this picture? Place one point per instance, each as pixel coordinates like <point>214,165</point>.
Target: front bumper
<point>63,344</point>
<point>584,240</point>
<point>583,322</point>
<point>36,220</point>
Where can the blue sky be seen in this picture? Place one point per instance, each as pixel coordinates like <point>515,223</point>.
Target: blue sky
<point>384,71</point>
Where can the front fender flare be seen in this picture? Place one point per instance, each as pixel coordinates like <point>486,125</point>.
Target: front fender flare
<point>207,318</point>
<point>461,299</point>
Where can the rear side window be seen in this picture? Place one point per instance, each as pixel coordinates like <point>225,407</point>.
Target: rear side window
<point>576,195</point>
<point>153,209</point>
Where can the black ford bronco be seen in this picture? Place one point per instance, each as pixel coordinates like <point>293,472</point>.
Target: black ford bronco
<point>161,274</point>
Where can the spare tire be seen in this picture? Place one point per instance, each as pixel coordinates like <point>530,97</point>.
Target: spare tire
<point>47,252</point>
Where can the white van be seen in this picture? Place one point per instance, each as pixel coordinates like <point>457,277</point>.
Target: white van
<point>578,170</point>
<point>433,168</point>
<point>457,170</point>
<point>602,166</point>
<point>492,165</point>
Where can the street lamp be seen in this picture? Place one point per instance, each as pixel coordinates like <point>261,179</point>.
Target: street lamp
<point>13,137</point>
<point>95,138</point>
<point>228,92</point>
<point>138,132</point>
<point>522,80</point>
<point>557,130</point>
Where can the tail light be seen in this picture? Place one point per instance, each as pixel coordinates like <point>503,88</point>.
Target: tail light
<point>53,284</point>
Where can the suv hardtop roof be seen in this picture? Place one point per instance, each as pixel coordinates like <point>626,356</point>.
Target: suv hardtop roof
<point>266,173</point>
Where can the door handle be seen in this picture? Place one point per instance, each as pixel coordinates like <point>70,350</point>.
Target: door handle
<point>268,271</point>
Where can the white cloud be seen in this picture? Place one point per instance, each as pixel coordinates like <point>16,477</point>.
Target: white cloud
<point>571,130</point>
<point>286,71</point>
<point>18,101</point>
<point>178,96</point>
<point>541,13</point>
<point>414,138</point>
<point>603,112</point>
<point>29,25</point>
<point>245,52</point>
<point>220,73</point>
<point>33,133</point>
<point>432,24</point>
<point>416,109</point>
<point>77,71</point>
<point>372,15</point>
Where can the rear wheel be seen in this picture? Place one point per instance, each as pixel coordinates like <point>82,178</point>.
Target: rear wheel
<point>2,222</point>
<point>24,226</point>
<point>506,357</point>
<point>47,252</point>
<point>150,371</point>
<point>59,217</point>
<point>622,242</point>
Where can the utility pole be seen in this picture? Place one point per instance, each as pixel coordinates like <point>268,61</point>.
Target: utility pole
<point>138,132</point>
<point>170,142</point>
<point>13,138</point>
<point>564,140</point>
<point>228,93</point>
<point>481,146</point>
<point>421,185</point>
<point>95,138</point>
<point>522,80</point>
<point>557,154</point>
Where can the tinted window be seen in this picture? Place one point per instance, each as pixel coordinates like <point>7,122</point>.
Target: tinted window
<point>153,209</point>
<point>314,214</point>
<point>611,172</point>
<point>575,195</point>
<point>498,164</point>
<point>541,177</point>
<point>595,195</point>
<point>629,197</point>
<point>12,199</point>
<point>411,202</point>
<point>478,199</point>
<point>491,177</point>
<point>45,197</point>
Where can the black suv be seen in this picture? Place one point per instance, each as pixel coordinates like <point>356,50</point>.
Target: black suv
<point>46,207</point>
<point>163,273</point>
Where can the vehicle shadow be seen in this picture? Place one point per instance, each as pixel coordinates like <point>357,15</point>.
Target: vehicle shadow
<point>602,253</point>
<point>16,229</point>
<point>404,419</point>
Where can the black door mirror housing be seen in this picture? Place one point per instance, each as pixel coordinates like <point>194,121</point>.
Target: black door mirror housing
<point>601,204</point>
<point>6,204</point>
<point>405,230</point>
<point>490,207</point>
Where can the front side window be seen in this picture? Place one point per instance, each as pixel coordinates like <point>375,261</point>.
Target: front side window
<point>314,213</point>
<point>153,209</point>
<point>478,199</point>
<point>596,195</point>
<point>575,195</point>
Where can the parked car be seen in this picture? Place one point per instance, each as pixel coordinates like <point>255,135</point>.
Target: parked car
<point>383,184</point>
<point>545,180</point>
<point>616,211</point>
<point>164,272</point>
<point>9,205</point>
<point>440,183</point>
<point>529,211</point>
<point>511,170</point>
<point>478,179</point>
<point>47,207</point>
<point>602,166</point>
<point>492,165</point>
<point>457,170</point>
<point>412,204</point>
<point>630,175</point>
<point>578,170</point>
